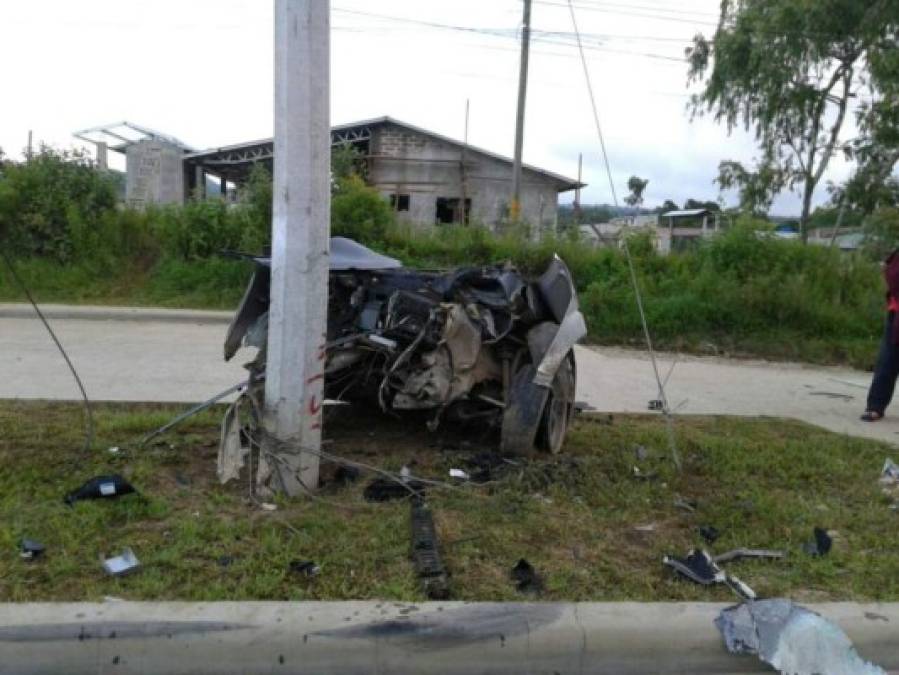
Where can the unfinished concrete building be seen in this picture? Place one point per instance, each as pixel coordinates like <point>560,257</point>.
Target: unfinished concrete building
<point>428,178</point>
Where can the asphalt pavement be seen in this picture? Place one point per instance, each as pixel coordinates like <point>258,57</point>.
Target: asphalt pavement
<point>132,354</point>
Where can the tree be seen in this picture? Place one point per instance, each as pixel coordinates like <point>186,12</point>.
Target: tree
<point>667,206</point>
<point>792,71</point>
<point>636,186</point>
<point>707,205</point>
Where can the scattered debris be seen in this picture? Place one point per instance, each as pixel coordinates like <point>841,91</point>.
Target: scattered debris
<point>656,405</point>
<point>459,473</point>
<point>526,578</point>
<point>232,452</point>
<point>752,553</point>
<point>639,474</point>
<point>641,453</point>
<point>646,529</point>
<point>121,564</point>
<point>346,475</point>
<point>306,568</point>
<point>101,487</point>
<point>699,567</point>
<point>709,533</point>
<point>889,479</point>
<point>114,450</point>
<point>791,639</point>
<point>225,561</point>
<point>890,471</point>
<point>268,506</point>
<point>821,545</point>
<point>426,553</point>
<point>487,466</point>
<point>687,505</point>
<point>31,549</point>
<point>388,489</point>
<point>583,406</point>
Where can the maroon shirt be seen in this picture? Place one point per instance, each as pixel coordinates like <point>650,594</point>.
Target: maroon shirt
<point>891,276</point>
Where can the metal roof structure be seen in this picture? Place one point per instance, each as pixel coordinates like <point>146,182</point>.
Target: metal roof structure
<point>230,160</point>
<point>119,135</point>
<point>686,213</point>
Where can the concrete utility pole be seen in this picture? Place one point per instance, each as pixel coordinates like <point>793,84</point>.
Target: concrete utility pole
<point>577,191</point>
<point>463,176</point>
<point>515,208</point>
<point>294,385</point>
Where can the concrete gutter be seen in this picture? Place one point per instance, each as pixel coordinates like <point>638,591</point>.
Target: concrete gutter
<point>94,313</point>
<point>327,638</point>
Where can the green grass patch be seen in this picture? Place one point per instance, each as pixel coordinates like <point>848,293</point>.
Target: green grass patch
<point>762,482</point>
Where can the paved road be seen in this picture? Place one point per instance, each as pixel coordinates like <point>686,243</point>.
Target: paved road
<point>125,354</point>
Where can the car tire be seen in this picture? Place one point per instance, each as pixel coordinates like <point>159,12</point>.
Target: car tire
<point>559,408</point>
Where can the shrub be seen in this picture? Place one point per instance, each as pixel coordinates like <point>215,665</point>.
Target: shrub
<point>359,212</point>
<point>42,201</point>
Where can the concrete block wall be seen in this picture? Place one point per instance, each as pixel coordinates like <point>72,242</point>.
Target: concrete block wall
<point>427,168</point>
<point>155,173</point>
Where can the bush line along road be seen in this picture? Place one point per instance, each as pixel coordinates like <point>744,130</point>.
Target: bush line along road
<point>740,293</point>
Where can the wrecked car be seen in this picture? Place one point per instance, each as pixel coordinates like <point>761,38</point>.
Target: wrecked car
<point>474,343</point>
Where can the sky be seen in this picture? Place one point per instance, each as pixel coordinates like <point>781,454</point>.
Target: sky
<point>201,70</point>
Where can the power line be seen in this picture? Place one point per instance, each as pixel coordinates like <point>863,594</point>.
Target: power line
<point>502,33</point>
<point>622,12</point>
<point>666,409</point>
<point>88,414</point>
<point>588,4</point>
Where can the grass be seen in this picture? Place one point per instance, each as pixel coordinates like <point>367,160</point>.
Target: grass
<point>762,482</point>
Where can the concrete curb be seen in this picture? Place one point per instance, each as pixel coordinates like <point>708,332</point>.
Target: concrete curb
<point>94,313</point>
<point>327,638</point>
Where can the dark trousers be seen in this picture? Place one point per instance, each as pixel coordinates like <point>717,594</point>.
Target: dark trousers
<point>886,371</point>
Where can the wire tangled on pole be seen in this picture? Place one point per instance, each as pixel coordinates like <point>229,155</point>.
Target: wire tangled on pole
<point>666,409</point>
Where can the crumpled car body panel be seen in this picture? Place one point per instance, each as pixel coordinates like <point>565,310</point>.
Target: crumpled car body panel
<point>455,343</point>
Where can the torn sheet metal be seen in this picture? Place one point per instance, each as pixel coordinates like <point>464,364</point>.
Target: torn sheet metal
<point>232,454</point>
<point>750,553</point>
<point>791,639</point>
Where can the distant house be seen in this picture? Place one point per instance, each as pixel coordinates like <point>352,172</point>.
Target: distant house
<point>427,178</point>
<point>681,229</point>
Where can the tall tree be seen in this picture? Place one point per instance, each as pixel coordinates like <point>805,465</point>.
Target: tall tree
<point>793,71</point>
<point>636,186</point>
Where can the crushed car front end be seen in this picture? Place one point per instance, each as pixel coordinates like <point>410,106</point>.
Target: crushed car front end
<point>475,343</point>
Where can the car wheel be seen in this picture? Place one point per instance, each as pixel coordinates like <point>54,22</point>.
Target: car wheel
<point>559,409</point>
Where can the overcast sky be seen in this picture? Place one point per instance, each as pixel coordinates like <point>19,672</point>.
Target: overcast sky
<point>201,70</point>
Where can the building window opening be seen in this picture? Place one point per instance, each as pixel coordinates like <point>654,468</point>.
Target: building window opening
<point>399,202</point>
<point>449,211</point>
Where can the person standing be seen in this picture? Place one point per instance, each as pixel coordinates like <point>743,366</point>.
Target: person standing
<point>887,369</point>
